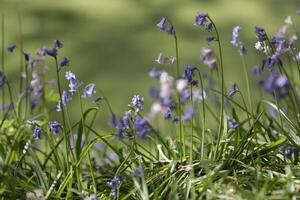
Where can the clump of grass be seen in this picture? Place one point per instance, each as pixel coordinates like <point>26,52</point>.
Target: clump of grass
<point>200,140</point>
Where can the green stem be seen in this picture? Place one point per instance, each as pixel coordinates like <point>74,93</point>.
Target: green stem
<point>63,116</point>
<point>247,83</point>
<point>219,136</point>
<point>3,60</point>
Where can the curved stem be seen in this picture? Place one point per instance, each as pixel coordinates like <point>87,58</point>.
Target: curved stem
<point>245,67</point>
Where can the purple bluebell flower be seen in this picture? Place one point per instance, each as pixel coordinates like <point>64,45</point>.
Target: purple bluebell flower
<point>189,74</point>
<point>209,27</point>
<point>243,50</point>
<point>114,185</point>
<point>63,102</point>
<point>207,57</point>
<point>234,89</point>
<point>55,127</point>
<point>37,133</point>
<point>171,30</point>
<point>162,24</point>
<point>124,125</point>
<point>168,103</point>
<point>137,103</point>
<point>32,122</point>
<point>211,38</point>
<point>289,151</point>
<point>74,83</point>
<point>33,103</point>
<point>11,48</point>
<point>273,60</point>
<point>26,56</point>
<point>113,123</point>
<point>154,93</point>
<point>233,125</point>
<point>154,73</point>
<point>141,127</point>
<point>58,44</point>
<point>235,36</point>
<point>168,114</point>
<point>260,34</point>
<point>256,70</point>
<point>65,62</point>
<point>2,79</point>
<point>189,113</point>
<point>185,95</point>
<point>89,90</point>
<point>51,52</point>
<point>201,19</point>
<point>279,86</point>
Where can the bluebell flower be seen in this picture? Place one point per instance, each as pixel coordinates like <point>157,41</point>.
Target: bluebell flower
<point>154,73</point>
<point>26,56</point>
<point>233,125</point>
<point>58,44</point>
<point>260,34</point>
<point>256,70</point>
<point>234,89</point>
<point>273,60</point>
<point>114,185</point>
<point>168,114</point>
<point>154,93</point>
<point>209,27</point>
<point>278,86</point>
<point>63,102</point>
<point>51,52</point>
<point>113,123</point>
<point>171,30</point>
<point>289,151</point>
<point>124,125</point>
<point>211,38</point>
<point>168,103</point>
<point>2,79</point>
<point>37,133</point>
<point>243,50</point>
<point>89,90</point>
<point>141,127</point>
<point>137,103</point>
<point>162,24</point>
<point>65,62</point>
<point>189,74</point>
<point>185,95</point>
<point>74,83</point>
<point>55,127</point>
<point>201,19</point>
<point>207,57</point>
<point>189,113</point>
<point>11,48</point>
<point>235,36</point>
<point>32,122</point>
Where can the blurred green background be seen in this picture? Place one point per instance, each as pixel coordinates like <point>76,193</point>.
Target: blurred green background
<point>114,43</point>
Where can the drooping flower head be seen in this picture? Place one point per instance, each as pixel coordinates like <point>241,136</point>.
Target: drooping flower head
<point>235,36</point>
<point>58,44</point>
<point>51,52</point>
<point>201,20</point>
<point>55,127</point>
<point>137,103</point>
<point>2,79</point>
<point>154,73</point>
<point>233,125</point>
<point>189,113</point>
<point>63,102</point>
<point>234,89</point>
<point>165,25</point>
<point>89,90</point>
<point>11,48</point>
<point>260,34</point>
<point>114,185</point>
<point>207,57</point>
<point>65,62</point>
<point>189,74</point>
<point>277,85</point>
<point>74,83</point>
<point>162,24</point>
<point>37,133</point>
<point>142,128</point>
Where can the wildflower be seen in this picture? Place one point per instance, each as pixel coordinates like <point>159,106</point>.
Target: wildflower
<point>26,56</point>
<point>37,133</point>
<point>113,121</point>
<point>232,124</point>
<point>185,95</point>
<point>235,36</point>
<point>162,24</point>
<point>124,125</point>
<point>259,46</point>
<point>65,62</point>
<point>165,61</point>
<point>114,185</point>
<point>189,73</point>
<point>74,83</point>
<point>256,70</point>
<point>137,103</point>
<point>2,79</point>
<point>167,85</point>
<point>89,90</point>
<point>155,109</point>
<point>234,89</point>
<point>279,86</point>
<point>288,20</point>
<point>189,112</point>
<point>171,30</point>
<point>209,27</point>
<point>155,73</point>
<point>211,38</point>
<point>58,44</point>
<point>54,127</point>
<point>154,93</point>
<point>141,126</point>
<point>168,103</point>
<point>289,151</point>
<point>181,84</point>
<point>207,58</point>
<point>96,100</point>
<point>11,48</point>
<point>32,122</point>
<point>260,34</point>
<point>273,60</point>
<point>51,52</point>
<point>65,99</point>
<point>201,19</point>
<point>168,115</point>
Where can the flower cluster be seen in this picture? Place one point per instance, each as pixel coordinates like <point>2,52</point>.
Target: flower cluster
<point>165,25</point>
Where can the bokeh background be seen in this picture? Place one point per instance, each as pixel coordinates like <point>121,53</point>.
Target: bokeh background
<point>114,43</point>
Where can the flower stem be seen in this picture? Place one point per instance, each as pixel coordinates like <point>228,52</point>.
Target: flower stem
<point>245,67</point>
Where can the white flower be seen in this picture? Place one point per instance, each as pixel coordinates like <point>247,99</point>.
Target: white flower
<point>181,84</point>
<point>164,60</point>
<point>288,20</point>
<point>259,46</point>
<point>167,85</point>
